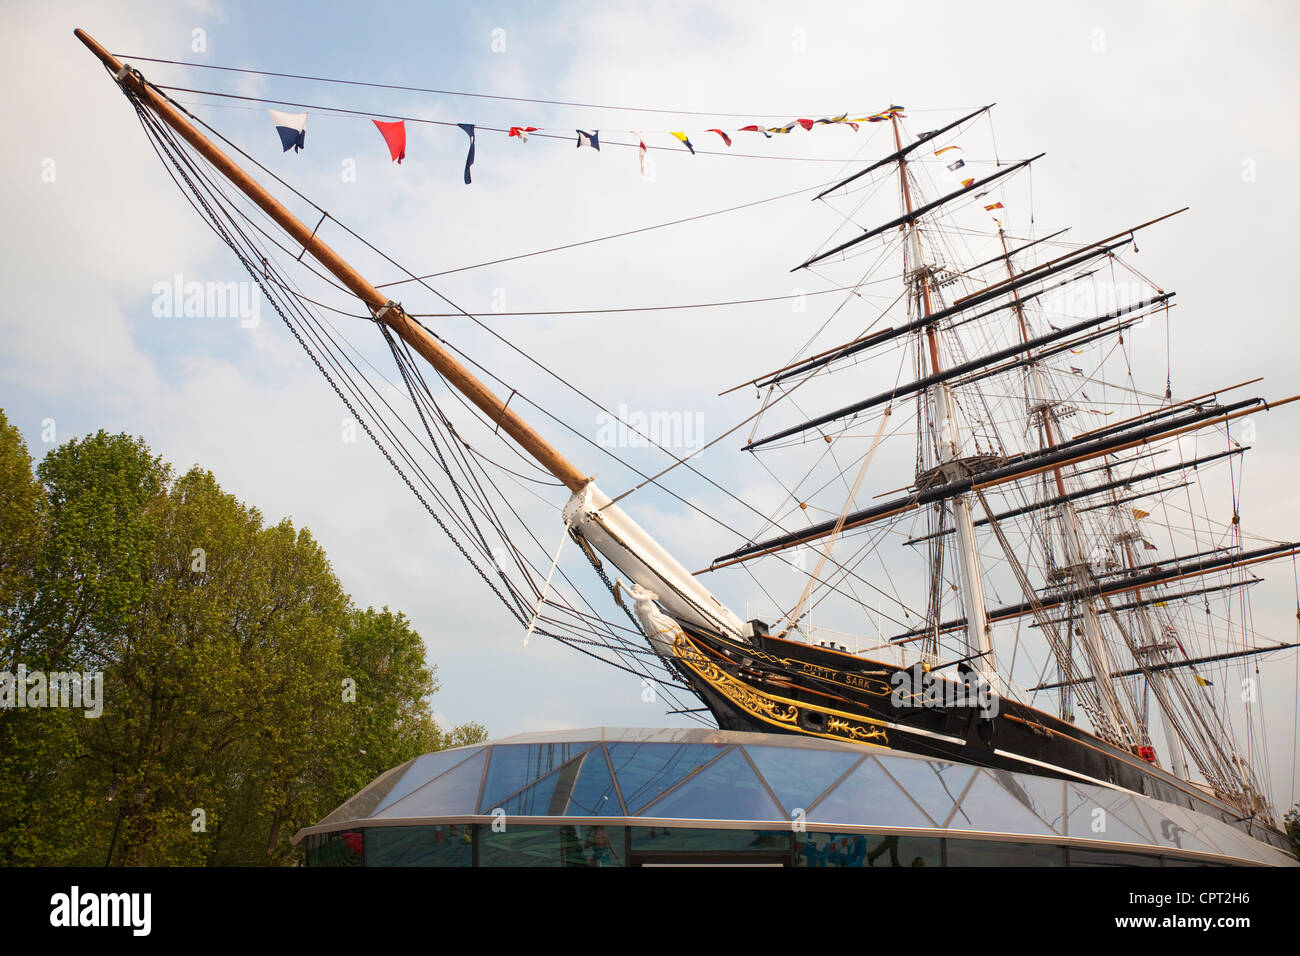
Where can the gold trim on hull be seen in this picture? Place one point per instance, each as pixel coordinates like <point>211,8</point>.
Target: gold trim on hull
<point>778,711</point>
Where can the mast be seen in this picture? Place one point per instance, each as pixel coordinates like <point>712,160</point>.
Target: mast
<point>1044,409</point>
<point>947,439</point>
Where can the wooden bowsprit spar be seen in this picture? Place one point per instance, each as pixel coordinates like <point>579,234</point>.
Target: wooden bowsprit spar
<point>589,515</point>
<point>380,305</point>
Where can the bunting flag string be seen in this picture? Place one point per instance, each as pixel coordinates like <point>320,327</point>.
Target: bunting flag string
<point>291,129</point>
<point>394,135</point>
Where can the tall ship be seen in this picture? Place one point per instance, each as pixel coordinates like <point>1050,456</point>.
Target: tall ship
<point>1022,550</point>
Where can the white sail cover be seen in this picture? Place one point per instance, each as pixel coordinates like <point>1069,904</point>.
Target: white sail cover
<point>635,553</point>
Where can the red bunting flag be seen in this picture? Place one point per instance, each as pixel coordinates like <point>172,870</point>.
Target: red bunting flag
<point>996,205</point>
<point>394,135</point>
<point>640,139</point>
<point>755,129</point>
<point>805,123</point>
<point>522,132</point>
<point>725,138</point>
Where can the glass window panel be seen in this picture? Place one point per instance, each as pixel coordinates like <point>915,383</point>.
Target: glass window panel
<point>1120,822</point>
<point>419,846</point>
<point>1042,796</point>
<point>993,853</point>
<point>1173,827</point>
<point>799,777</point>
<point>988,806</point>
<point>866,849</point>
<point>1086,857</point>
<point>931,783</point>
<point>693,840</point>
<point>868,797</point>
<point>547,797</point>
<point>363,803</point>
<point>594,794</point>
<point>551,846</point>
<point>1235,842</point>
<point>645,771</point>
<point>515,766</point>
<point>728,789</point>
<point>423,769</point>
<point>451,794</point>
<point>346,848</point>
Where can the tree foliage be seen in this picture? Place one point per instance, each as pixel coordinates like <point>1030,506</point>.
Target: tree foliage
<point>244,696</point>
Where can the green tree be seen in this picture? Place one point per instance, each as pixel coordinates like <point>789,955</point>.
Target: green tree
<point>22,528</point>
<point>224,645</point>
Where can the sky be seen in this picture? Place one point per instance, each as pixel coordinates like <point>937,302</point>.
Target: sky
<point>1141,108</point>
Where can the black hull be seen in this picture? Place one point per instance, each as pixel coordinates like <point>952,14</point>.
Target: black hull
<point>778,686</point>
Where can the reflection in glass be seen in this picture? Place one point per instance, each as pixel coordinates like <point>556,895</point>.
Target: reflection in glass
<point>551,846</point>
<point>423,769</point>
<point>994,853</point>
<point>1097,814</point>
<point>869,797</point>
<point>799,777</point>
<point>1084,857</point>
<point>728,788</point>
<point>452,793</point>
<point>515,766</point>
<point>451,845</point>
<point>594,794</point>
<point>339,848</point>
<point>647,770</point>
<point>675,839</point>
<point>862,849</point>
<point>936,786</point>
<point>987,805</point>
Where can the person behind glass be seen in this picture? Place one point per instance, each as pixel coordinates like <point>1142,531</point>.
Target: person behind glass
<point>598,843</point>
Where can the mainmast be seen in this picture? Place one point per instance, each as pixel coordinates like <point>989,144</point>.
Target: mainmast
<point>947,442</point>
<point>1043,409</point>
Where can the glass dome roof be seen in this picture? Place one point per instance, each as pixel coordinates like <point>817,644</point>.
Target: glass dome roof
<point>720,778</point>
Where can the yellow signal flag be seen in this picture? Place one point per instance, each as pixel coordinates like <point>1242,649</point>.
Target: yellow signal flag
<point>1202,681</point>
<point>1139,514</point>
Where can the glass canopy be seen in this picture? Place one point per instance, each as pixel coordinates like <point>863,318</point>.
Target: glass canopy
<point>763,783</point>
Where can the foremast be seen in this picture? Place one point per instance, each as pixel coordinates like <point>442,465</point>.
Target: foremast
<point>946,439</point>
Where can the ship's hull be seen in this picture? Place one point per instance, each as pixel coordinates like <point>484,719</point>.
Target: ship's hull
<point>784,686</point>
